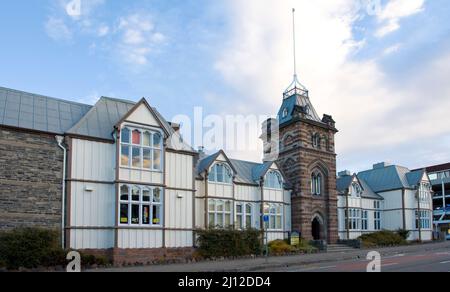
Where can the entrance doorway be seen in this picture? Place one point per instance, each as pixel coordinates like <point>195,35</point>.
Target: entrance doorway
<point>316,229</point>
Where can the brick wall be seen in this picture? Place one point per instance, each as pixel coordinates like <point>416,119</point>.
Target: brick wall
<point>30,180</point>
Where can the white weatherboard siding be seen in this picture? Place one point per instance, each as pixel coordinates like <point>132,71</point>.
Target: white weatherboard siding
<point>93,161</point>
<point>179,172</point>
<point>140,238</point>
<point>247,193</point>
<point>220,190</point>
<point>144,117</point>
<point>92,203</point>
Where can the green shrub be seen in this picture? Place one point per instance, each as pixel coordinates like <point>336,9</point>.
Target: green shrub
<point>30,248</point>
<point>215,243</point>
<point>404,233</point>
<point>382,238</point>
<point>280,247</point>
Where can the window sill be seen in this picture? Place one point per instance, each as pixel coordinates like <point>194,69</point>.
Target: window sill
<point>141,169</point>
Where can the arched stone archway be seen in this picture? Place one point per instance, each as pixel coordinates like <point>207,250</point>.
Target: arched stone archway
<point>318,227</point>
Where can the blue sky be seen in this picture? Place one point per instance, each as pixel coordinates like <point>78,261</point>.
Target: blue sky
<point>383,76</point>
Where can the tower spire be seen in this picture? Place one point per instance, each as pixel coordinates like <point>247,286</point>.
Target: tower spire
<point>295,87</point>
<point>295,45</point>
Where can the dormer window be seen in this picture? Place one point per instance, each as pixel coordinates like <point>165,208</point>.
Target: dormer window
<point>141,149</point>
<point>221,173</point>
<point>273,180</point>
<point>356,189</point>
<point>285,113</point>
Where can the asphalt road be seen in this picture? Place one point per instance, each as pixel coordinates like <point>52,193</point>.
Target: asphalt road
<point>426,261</point>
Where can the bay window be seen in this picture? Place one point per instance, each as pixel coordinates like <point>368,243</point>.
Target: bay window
<point>140,206</point>
<point>424,219</point>
<point>141,149</point>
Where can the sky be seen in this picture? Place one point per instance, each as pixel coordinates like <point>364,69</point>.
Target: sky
<point>380,68</point>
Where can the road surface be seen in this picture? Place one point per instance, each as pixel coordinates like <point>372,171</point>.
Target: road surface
<point>426,261</point>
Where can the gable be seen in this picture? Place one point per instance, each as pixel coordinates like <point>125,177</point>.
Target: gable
<point>142,115</point>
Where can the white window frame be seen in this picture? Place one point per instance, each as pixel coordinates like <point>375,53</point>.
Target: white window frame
<point>152,148</point>
<point>273,180</point>
<point>141,203</point>
<point>354,219</point>
<point>364,220</point>
<point>244,215</point>
<point>425,219</point>
<point>279,211</point>
<point>377,220</point>
<point>216,213</point>
<point>227,174</point>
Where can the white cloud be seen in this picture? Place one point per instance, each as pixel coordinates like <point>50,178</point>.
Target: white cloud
<point>102,30</point>
<point>372,111</point>
<point>392,49</point>
<point>137,38</point>
<point>57,30</point>
<point>394,11</point>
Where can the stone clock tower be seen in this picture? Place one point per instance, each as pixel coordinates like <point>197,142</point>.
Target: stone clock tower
<point>303,145</point>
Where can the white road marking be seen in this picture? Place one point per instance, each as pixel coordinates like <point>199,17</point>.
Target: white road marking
<point>446,262</point>
<point>389,265</point>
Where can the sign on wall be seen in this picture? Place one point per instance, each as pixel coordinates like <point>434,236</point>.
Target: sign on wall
<point>295,238</point>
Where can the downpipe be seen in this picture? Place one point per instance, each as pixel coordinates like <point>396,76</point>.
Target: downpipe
<point>60,141</point>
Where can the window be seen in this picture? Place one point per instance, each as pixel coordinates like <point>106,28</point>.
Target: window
<point>316,184</point>
<point>141,149</point>
<point>221,173</point>
<point>285,113</point>
<point>356,190</point>
<point>273,180</point>
<point>364,220</point>
<point>377,205</point>
<point>424,193</point>
<point>219,214</point>
<point>377,220</point>
<point>140,206</point>
<point>244,216</point>
<point>353,218</point>
<point>316,141</point>
<point>424,218</point>
<point>275,213</point>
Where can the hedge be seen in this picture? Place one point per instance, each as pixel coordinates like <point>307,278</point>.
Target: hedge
<point>30,248</point>
<point>216,243</point>
<point>382,238</point>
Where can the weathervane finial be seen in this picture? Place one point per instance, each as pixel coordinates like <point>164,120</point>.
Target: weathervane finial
<point>295,47</point>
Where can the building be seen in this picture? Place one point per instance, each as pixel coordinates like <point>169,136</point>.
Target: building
<point>440,180</point>
<point>386,197</point>
<point>304,148</point>
<point>118,180</point>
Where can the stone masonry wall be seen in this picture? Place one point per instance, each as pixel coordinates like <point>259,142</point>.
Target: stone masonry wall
<point>298,159</point>
<point>30,180</point>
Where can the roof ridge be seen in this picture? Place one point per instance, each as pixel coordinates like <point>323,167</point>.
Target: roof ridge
<point>45,96</point>
<point>240,160</point>
<point>119,100</point>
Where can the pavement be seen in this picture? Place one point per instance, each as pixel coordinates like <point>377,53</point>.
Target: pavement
<point>431,257</point>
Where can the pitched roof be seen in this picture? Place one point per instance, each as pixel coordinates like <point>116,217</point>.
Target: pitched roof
<point>297,100</point>
<point>246,172</point>
<point>415,177</point>
<point>100,120</point>
<point>37,112</point>
<point>387,178</point>
<point>344,182</point>
<point>368,192</point>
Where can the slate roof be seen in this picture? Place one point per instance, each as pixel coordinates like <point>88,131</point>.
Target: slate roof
<point>99,122</point>
<point>344,182</point>
<point>37,112</point>
<point>297,100</point>
<point>247,172</point>
<point>390,178</point>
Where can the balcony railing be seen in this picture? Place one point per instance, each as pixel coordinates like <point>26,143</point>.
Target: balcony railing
<point>296,91</point>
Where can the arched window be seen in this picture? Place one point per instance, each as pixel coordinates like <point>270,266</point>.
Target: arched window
<point>273,180</point>
<point>141,149</point>
<point>285,113</point>
<point>316,141</point>
<point>356,189</point>
<point>316,184</point>
<point>221,173</point>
